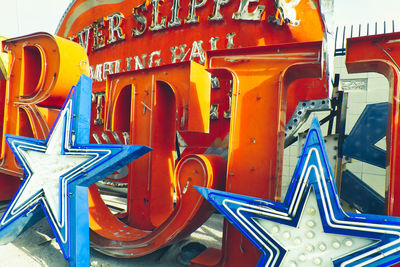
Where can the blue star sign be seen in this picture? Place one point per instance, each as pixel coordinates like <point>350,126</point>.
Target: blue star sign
<point>58,171</point>
<point>310,227</point>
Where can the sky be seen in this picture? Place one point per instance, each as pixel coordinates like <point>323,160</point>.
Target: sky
<point>363,11</point>
<point>20,17</point>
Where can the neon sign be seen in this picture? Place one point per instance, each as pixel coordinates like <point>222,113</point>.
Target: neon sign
<point>147,34</point>
<point>58,172</point>
<point>310,227</point>
<point>137,87</point>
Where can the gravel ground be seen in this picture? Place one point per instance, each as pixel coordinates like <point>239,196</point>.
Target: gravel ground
<point>38,247</point>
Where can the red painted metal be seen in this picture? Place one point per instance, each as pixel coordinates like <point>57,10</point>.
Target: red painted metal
<point>151,180</point>
<point>91,20</point>
<point>8,184</point>
<point>261,78</point>
<point>113,237</point>
<point>381,53</point>
<point>42,70</point>
<point>163,100</point>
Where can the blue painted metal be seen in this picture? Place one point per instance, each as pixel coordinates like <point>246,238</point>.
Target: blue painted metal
<point>360,195</point>
<point>369,129</point>
<point>312,175</point>
<point>67,142</point>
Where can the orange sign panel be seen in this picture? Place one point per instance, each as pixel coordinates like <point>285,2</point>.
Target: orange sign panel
<point>146,92</point>
<point>121,35</point>
<point>42,70</point>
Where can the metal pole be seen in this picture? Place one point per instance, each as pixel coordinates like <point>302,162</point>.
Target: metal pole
<point>340,130</point>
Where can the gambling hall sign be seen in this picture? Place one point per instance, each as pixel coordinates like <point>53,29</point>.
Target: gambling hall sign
<point>128,35</point>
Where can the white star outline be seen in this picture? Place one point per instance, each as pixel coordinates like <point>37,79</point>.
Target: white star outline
<point>241,212</point>
<point>94,157</point>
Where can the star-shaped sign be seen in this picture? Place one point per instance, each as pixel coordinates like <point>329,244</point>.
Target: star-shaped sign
<point>310,228</point>
<point>58,171</point>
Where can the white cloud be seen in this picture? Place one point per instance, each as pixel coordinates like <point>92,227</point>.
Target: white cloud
<point>349,12</point>
<point>20,17</point>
